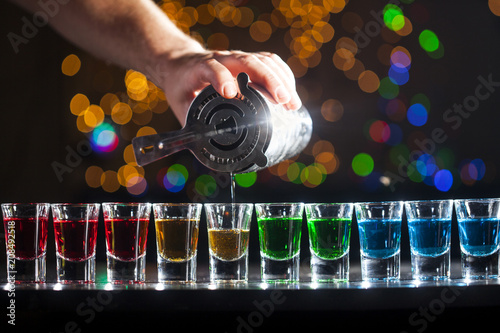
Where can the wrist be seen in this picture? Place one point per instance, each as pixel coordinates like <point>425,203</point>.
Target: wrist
<point>165,62</point>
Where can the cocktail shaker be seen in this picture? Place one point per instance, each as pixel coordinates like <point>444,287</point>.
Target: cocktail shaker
<point>243,134</point>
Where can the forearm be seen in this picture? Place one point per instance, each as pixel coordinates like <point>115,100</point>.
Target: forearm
<point>133,34</point>
<point>136,34</point>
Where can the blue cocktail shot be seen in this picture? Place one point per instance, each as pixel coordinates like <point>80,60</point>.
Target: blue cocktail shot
<point>379,225</point>
<point>429,228</point>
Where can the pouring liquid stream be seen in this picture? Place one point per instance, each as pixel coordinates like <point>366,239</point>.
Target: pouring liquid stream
<point>233,194</point>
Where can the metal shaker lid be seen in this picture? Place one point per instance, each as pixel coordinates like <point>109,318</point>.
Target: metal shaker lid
<point>226,135</point>
<point>235,132</point>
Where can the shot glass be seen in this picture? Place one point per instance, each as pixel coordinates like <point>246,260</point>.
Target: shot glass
<point>228,235</point>
<point>429,229</point>
<point>177,229</point>
<point>280,226</point>
<point>329,226</point>
<point>126,229</point>
<point>379,225</point>
<point>478,228</point>
<point>75,233</point>
<point>26,227</point>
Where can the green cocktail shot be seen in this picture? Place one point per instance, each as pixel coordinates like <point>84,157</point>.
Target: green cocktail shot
<point>329,237</point>
<point>329,226</point>
<point>280,237</point>
<point>280,229</point>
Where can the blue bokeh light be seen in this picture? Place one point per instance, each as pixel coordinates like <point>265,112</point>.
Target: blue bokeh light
<point>426,165</point>
<point>104,138</point>
<point>399,75</point>
<point>174,181</point>
<point>417,114</point>
<point>477,169</point>
<point>443,180</point>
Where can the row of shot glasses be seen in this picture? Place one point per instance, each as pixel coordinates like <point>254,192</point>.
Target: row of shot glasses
<point>228,225</point>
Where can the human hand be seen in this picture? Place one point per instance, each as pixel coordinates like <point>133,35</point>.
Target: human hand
<point>190,72</point>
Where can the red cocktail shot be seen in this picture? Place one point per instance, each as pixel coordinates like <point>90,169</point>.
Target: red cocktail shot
<point>75,233</point>
<point>75,239</point>
<point>30,240</point>
<point>126,228</point>
<point>126,237</point>
<point>25,226</point>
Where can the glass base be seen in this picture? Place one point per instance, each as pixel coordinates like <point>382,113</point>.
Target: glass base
<point>430,268</point>
<point>280,270</point>
<point>336,270</point>
<point>75,271</point>
<point>375,269</point>
<point>235,271</point>
<point>27,271</point>
<point>177,272</point>
<point>126,271</point>
<point>484,267</point>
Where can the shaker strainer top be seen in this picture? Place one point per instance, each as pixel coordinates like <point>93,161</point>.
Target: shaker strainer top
<point>226,135</point>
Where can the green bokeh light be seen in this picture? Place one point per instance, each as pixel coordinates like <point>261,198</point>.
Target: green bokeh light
<point>437,54</point>
<point>315,174</point>
<point>180,169</point>
<point>205,185</point>
<point>388,89</point>
<point>446,158</point>
<point>399,154</point>
<point>393,17</point>
<point>294,171</point>
<point>413,173</point>
<point>362,164</point>
<point>245,179</point>
<point>428,40</point>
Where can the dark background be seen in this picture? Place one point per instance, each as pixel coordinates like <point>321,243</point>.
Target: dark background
<point>37,126</point>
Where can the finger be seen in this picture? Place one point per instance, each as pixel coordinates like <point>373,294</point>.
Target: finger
<point>213,72</point>
<point>259,72</point>
<point>284,68</point>
<point>286,75</point>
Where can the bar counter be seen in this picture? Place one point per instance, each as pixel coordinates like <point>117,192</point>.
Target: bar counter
<point>403,306</point>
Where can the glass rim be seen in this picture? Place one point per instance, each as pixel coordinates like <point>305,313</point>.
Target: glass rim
<point>477,200</point>
<point>228,203</point>
<point>176,204</point>
<point>429,201</point>
<point>328,203</point>
<point>385,203</point>
<point>78,204</point>
<point>125,203</point>
<point>286,204</point>
<point>9,204</point>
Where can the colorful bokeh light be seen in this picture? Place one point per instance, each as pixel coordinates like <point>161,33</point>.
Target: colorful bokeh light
<point>400,57</point>
<point>245,179</point>
<point>472,170</point>
<point>380,131</point>
<point>104,138</point>
<point>205,185</point>
<point>362,164</point>
<point>417,114</point>
<point>443,180</point>
<point>426,165</point>
<point>399,75</point>
<point>71,65</point>
<point>175,178</point>
<point>393,17</point>
<point>388,89</point>
<point>428,40</point>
